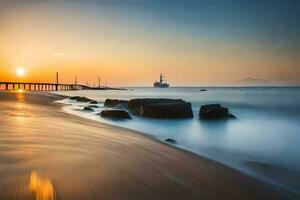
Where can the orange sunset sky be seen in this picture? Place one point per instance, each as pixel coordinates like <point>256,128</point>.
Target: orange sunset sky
<point>130,44</point>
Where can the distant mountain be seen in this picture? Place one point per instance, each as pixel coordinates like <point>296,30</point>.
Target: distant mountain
<point>252,81</point>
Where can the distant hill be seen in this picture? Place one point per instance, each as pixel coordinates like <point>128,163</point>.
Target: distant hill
<point>252,81</point>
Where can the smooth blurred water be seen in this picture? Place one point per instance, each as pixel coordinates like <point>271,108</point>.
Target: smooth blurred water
<point>264,141</point>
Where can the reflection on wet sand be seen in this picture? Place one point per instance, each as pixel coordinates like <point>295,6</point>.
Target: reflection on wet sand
<point>36,186</point>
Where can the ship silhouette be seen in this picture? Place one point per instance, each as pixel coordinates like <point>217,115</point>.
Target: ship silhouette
<point>161,83</point>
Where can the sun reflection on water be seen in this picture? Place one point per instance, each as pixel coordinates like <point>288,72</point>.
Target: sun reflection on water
<point>20,90</point>
<point>20,95</point>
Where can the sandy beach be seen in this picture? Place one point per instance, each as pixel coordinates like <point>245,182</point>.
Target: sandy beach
<point>50,154</point>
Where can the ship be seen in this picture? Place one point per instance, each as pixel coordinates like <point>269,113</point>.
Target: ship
<point>161,83</point>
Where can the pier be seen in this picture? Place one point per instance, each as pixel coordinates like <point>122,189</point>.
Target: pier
<point>32,86</point>
<point>57,86</point>
<point>46,86</point>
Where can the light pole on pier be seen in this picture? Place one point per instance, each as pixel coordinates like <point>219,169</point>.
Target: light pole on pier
<point>56,81</point>
<point>56,77</point>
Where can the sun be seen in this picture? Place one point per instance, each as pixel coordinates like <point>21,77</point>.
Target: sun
<point>20,71</point>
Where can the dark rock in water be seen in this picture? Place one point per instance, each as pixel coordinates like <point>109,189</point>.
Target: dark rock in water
<point>119,114</point>
<point>93,106</point>
<point>116,103</point>
<point>214,111</point>
<point>81,99</point>
<point>182,110</point>
<point>172,141</point>
<point>136,103</point>
<point>88,109</point>
<point>232,116</point>
<point>161,108</point>
<point>203,90</point>
<point>93,102</point>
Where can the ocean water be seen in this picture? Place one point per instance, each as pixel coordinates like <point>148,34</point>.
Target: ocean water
<point>264,140</point>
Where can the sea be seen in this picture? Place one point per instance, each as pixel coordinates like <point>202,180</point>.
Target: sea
<point>263,142</point>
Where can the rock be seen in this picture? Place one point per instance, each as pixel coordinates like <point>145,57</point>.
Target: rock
<point>93,106</point>
<point>112,103</point>
<point>214,111</point>
<point>119,114</point>
<point>232,116</point>
<point>203,90</point>
<point>93,102</point>
<point>81,99</point>
<point>161,108</point>
<point>88,109</point>
<point>172,141</point>
<point>182,110</point>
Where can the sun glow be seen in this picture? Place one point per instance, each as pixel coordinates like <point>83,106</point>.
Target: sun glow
<point>20,71</point>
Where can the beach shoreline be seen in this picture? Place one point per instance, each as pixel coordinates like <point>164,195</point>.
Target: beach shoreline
<point>125,153</point>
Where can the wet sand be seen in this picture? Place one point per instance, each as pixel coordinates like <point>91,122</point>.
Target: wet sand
<point>48,154</point>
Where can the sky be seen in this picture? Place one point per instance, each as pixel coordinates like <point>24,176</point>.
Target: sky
<point>129,42</point>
